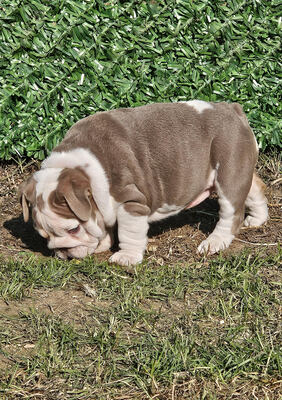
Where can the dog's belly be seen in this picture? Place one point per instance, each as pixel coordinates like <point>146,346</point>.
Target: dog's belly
<point>168,210</point>
<point>203,196</point>
<point>164,212</point>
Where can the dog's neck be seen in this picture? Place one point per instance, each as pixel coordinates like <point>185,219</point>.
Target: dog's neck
<point>92,167</point>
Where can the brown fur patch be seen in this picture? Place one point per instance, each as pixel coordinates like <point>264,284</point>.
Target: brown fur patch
<point>27,189</point>
<point>27,196</point>
<point>72,198</point>
<point>59,206</point>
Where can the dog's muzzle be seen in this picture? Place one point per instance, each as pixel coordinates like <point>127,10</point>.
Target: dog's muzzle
<point>74,252</point>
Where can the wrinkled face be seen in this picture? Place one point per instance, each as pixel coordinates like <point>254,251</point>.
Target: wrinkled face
<point>64,212</point>
<point>69,237</point>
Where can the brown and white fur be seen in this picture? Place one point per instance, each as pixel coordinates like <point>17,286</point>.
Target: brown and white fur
<point>138,165</point>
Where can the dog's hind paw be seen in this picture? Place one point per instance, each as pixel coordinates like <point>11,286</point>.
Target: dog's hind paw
<point>126,258</point>
<point>254,221</point>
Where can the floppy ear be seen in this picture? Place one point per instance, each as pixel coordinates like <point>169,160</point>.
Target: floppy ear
<point>27,196</point>
<point>78,201</point>
<point>74,186</point>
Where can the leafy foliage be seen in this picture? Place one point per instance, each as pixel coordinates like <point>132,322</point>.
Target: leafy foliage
<point>65,59</point>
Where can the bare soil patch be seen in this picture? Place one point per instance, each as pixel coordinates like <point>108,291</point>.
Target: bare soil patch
<point>172,241</point>
<point>69,305</point>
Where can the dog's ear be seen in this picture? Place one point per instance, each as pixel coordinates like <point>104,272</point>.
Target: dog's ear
<point>74,188</point>
<point>27,196</point>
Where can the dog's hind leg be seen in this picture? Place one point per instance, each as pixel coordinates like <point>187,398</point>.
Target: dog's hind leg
<point>228,225</point>
<point>256,204</point>
<point>232,192</point>
<point>236,183</point>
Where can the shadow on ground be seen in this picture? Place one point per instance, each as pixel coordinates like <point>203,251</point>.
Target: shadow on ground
<point>28,235</point>
<point>204,217</point>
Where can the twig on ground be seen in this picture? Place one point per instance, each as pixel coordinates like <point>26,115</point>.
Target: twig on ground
<point>256,244</point>
<point>276,181</point>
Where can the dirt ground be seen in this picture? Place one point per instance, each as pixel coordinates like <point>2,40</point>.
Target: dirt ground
<point>172,241</point>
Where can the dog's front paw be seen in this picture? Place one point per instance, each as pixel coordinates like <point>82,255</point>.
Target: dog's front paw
<point>214,243</point>
<point>126,258</point>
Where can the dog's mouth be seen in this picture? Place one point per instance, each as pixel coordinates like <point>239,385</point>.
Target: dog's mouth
<point>74,252</point>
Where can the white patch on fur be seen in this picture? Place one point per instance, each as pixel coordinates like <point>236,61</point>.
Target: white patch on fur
<point>99,181</point>
<point>46,181</point>
<point>132,233</point>
<point>199,105</point>
<point>164,212</point>
<point>222,235</point>
<point>256,204</point>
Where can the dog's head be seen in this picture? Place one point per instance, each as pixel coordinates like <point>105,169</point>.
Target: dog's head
<point>63,210</point>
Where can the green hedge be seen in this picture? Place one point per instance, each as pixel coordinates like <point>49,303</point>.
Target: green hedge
<point>62,60</point>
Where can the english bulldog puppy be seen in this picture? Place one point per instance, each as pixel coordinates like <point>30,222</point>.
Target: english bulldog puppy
<point>133,166</point>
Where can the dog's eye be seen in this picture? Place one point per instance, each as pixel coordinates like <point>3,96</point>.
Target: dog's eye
<point>73,231</point>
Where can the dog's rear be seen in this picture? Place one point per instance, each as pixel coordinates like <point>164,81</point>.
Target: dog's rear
<point>237,188</point>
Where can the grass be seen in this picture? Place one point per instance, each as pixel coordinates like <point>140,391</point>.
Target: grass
<point>63,60</point>
<point>87,330</point>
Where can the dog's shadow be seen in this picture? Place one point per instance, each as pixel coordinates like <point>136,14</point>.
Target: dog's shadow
<point>204,217</point>
<point>28,235</point>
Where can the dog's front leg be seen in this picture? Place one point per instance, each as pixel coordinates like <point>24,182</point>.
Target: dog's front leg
<point>132,234</point>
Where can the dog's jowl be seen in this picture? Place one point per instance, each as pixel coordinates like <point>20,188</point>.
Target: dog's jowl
<point>136,165</point>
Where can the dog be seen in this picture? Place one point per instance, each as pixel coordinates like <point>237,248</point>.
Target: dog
<point>132,166</point>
